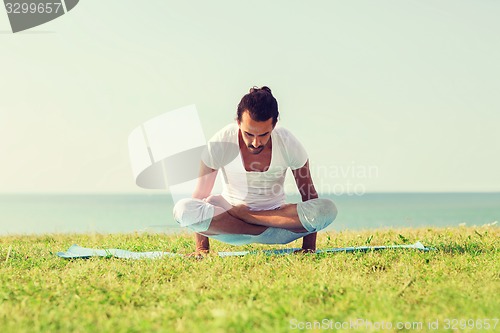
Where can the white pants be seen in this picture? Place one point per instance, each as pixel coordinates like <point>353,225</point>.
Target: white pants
<point>314,214</point>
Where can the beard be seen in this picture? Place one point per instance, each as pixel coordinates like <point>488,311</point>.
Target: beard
<point>254,150</point>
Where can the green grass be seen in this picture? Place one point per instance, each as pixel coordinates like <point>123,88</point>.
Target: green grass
<point>40,292</point>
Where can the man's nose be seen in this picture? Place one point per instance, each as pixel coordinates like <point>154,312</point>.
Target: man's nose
<point>256,142</point>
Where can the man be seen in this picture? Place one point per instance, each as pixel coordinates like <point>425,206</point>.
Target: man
<point>253,156</point>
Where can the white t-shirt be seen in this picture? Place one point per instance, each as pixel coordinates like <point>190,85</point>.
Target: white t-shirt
<point>258,190</point>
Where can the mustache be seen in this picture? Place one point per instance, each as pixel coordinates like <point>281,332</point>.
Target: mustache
<point>251,146</point>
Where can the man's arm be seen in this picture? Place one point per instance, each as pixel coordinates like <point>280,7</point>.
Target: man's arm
<point>306,188</point>
<point>204,186</point>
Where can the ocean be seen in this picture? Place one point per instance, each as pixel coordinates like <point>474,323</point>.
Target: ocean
<point>22,214</point>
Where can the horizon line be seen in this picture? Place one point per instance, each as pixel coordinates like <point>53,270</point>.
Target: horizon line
<point>294,193</point>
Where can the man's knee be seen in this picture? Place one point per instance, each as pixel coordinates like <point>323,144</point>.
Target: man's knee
<point>194,214</point>
<point>328,208</point>
<point>316,214</point>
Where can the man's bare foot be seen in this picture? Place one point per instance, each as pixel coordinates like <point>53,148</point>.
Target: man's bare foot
<point>239,211</point>
<point>218,200</point>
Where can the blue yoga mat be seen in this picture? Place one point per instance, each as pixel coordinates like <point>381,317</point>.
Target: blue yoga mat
<point>75,252</point>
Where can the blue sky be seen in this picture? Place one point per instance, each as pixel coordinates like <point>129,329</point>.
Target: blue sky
<point>385,95</point>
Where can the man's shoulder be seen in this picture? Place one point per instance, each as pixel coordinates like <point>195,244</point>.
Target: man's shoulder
<point>226,133</point>
<point>222,148</point>
<point>233,127</point>
<point>280,130</point>
<point>293,151</point>
<point>284,133</point>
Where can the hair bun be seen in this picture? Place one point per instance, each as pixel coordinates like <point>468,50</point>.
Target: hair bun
<point>255,89</point>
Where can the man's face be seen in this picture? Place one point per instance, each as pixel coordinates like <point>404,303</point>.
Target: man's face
<point>255,134</point>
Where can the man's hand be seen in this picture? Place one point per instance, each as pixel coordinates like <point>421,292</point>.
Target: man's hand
<point>302,251</point>
<point>198,254</point>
